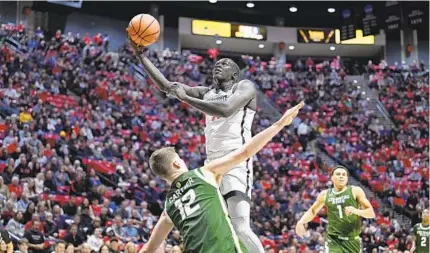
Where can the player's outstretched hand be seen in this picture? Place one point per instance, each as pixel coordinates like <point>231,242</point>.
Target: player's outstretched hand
<point>300,229</point>
<point>135,46</point>
<point>290,114</point>
<point>177,91</point>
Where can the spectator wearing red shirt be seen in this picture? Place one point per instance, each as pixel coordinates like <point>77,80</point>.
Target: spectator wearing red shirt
<point>35,218</point>
<point>86,39</point>
<point>98,39</point>
<point>309,63</point>
<point>15,187</point>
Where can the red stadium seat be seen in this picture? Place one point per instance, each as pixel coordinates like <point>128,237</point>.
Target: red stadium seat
<point>64,189</point>
<point>381,169</point>
<point>2,167</point>
<point>79,200</point>
<point>62,233</point>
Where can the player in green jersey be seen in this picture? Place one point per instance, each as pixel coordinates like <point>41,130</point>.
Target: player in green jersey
<point>421,233</point>
<point>194,204</point>
<point>343,213</point>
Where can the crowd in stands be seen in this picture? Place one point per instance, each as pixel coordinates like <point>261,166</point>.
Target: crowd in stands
<point>80,123</point>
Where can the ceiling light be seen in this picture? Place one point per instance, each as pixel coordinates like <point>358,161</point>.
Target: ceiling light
<point>212,1</point>
<point>218,42</point>
<point>332,48</point>
<point>368,99</point>
<point>331,10</point>
<point>293,9</point>
<point>355,81</point>
<point>250,5</point>
<point>261,46</point>
<point>358,87</point>
<point>363,92</point>
<point>291,47</point>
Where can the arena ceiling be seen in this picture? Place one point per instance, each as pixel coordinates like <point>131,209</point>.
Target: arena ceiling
<point>309,14</point>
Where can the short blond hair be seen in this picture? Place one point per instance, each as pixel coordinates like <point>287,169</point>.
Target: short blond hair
<point>161,161</point>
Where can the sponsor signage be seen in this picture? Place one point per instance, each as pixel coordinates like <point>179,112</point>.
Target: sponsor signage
<point>228,30</point>
<point>332,36</point>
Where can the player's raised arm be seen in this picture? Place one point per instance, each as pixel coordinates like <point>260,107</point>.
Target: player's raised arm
<point>159,234</point>
<point>162,83</point>
<point>368,211</point>
<point>310,213</point>
<point>222,165</point>
<point>244,92</point>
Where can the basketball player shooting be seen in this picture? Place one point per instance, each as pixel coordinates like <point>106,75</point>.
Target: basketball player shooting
<point>229,109</point>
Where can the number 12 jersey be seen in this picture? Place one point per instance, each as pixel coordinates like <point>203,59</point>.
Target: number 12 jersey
<point>198,210</point>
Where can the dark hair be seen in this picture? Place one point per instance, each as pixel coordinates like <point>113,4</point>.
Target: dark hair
<point>160,161</point>
<point>104,245</point>
<point>339,167</point>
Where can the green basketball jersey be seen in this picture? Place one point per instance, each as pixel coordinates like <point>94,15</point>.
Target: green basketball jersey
<point>422,238</point>
<point>339,224</point>
<point>198,210</point>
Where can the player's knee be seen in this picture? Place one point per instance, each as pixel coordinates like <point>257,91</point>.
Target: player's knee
<point>241,226</point>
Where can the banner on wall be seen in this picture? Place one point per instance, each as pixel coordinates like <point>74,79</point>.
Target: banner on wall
<point>393,16</point>
<point>414,15</point>
<point>370,21</point>
<point>347,28</point>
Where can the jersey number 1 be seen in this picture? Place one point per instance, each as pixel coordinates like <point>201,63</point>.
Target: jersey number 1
<point>339,208</point>
<point>184,204</point>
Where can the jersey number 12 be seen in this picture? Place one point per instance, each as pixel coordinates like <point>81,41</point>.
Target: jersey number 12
<point>185,203</point>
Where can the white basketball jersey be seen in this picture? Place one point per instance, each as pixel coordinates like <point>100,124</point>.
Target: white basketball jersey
<point>226,134</point>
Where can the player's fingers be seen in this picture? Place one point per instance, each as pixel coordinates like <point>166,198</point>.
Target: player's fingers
<point>299,106</point>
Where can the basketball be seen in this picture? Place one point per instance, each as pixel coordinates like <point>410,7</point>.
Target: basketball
<point>143,29</point>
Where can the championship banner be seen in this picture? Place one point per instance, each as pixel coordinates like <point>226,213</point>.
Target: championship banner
<point>347,29</point>
<point>393,17</point>
<point>370,21</point>
<point>414,15</point>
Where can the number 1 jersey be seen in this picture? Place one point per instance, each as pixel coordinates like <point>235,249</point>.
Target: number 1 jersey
<point>198,210</point>
<point>340,224</point>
